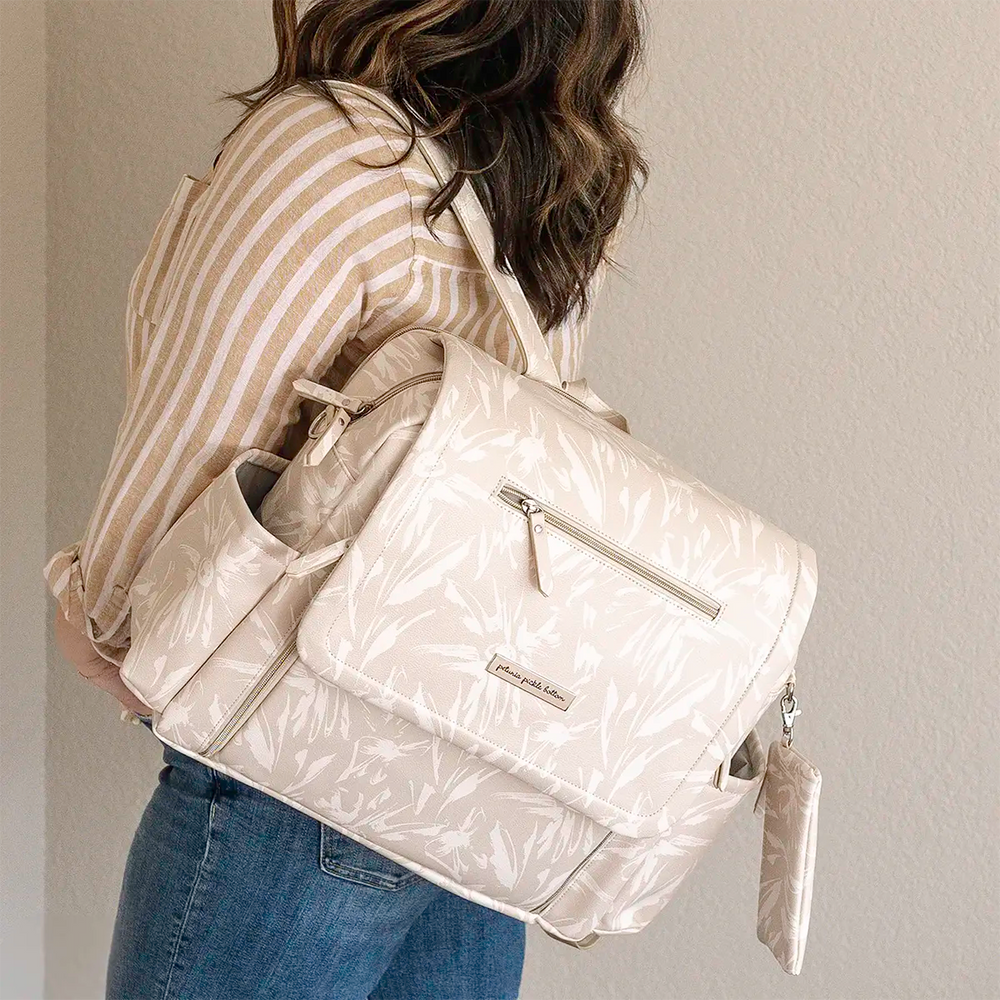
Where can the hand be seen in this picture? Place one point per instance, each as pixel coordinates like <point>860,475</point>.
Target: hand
<point>90,665</point>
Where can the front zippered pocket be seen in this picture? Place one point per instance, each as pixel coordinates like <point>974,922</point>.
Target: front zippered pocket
<point>247,704</point>
<point>541,516</point>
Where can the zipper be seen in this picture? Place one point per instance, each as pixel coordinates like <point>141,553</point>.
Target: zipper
<point>365,407</point>
<point>370,404</point>
<point>241,713</point>
<point>341,410</point>
<point>540,517</point>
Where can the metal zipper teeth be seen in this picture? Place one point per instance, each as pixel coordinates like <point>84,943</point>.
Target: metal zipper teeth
<point>705,605</point>
<point>240,715</point>
<point>411,329</point>
<point>370,404</point>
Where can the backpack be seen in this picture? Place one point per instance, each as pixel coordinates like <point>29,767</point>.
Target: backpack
<point>477,626</point>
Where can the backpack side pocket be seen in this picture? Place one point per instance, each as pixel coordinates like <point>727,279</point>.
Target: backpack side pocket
<point>209,570</point>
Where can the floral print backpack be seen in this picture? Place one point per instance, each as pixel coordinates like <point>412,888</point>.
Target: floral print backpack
<point>477,626</point>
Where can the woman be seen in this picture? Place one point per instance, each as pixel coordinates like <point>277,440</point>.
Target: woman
<point>317,233</point>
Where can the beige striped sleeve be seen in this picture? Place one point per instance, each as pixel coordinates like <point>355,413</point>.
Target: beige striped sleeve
<point>253,277</point>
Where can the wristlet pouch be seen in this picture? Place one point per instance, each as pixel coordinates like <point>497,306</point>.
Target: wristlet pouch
<point>479,627</point>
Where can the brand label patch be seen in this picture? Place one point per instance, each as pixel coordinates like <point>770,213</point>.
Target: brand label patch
<point>528,680</point>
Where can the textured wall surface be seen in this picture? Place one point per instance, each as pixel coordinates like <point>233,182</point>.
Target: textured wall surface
<point>22,481</point>
<point>807,322</point>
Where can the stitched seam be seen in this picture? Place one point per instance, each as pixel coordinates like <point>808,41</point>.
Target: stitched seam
<point>169,217</point>
<point>249,684</point>
<point>198,669</point>
<point>571,880</point>
<point>370,879</point>
<point>449,724</point>
<point>374,880</point>
<point>402,518</point>
<point>398,167</point>
<point>781,629</point>
<point>416,152</point>
<point>187,225</point>
<point>252,538</point>
<point>262,458</point>
<point>194,887</point>
<point>622,571</point>
<point>343,464</point>
<point>259,529</point>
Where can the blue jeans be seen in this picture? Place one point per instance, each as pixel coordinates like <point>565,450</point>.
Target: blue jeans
<point>230,894</point>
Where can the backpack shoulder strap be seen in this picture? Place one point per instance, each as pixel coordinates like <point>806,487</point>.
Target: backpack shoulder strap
<point>536,356</point>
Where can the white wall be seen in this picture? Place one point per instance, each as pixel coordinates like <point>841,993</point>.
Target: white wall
<point>22,483</point>
<point>809,325</point>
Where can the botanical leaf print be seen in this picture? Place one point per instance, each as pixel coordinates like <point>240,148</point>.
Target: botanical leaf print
<point>359,693</point>
<point>788,855</point>
<point>695,681</point>
<point>213,566</point>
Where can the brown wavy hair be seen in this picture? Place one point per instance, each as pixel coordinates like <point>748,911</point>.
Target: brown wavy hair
<point>523,94</point>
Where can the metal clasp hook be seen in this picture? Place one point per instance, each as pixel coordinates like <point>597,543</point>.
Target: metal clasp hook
<point>789,709</point>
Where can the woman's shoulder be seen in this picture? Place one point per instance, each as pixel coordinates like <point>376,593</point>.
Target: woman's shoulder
<point>305,135</point>
<point>299,132</point>
<point>298,165</point>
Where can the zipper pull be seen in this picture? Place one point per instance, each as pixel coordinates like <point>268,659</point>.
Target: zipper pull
<point>330,422</point>
<point>319,393</point>
<point>324,430</point>
<point>539,545</point>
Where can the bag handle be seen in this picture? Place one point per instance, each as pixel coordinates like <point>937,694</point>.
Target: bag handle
<point>537,358</point>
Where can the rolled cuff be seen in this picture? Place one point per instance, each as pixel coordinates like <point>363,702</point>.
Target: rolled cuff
<point>64,577</point>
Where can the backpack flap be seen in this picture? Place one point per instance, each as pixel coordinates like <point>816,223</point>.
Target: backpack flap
<point>549,594</point>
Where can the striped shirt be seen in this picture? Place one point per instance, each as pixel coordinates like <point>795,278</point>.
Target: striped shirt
<point>294,257</point>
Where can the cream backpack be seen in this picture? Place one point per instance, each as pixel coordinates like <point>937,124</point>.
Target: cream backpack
<point>477,626</point>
